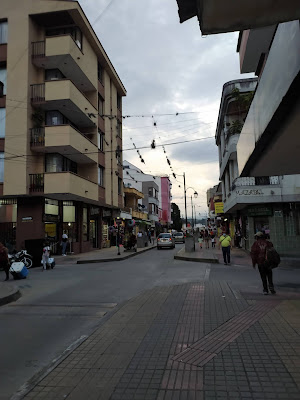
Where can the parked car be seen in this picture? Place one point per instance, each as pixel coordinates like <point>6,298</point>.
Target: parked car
<point>165,240</point>
<point>179,237</point>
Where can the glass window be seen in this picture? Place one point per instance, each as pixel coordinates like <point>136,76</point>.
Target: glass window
<point>100,176</point>
<point>3,76</point>
<point>100,140</point>
<point>69,213</point>
<point>53,74</point>
<point>119,129</point>
<point>55,118</point>
<point>85,224</point>
<point>73,31</point>
<point>3,32</point>
<point>100,72</point>
<point>59,163</point>
<point>119,101</point>
<point>2,122</point>
<point>51,207</point>
<point>2,167</point>
<point>100,105</point>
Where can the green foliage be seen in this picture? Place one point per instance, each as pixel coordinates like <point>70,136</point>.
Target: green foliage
<point>175,216</point>
<point>236,127</point>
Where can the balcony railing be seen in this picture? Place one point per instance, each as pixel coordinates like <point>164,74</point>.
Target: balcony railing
<point>36,183</point>
<point>38,93</point>
<point>38,49</point>
<point>37,136</point>
<point>255,181</point>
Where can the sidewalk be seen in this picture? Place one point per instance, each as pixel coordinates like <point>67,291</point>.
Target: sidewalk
<point>8,292</point>
<point>102,255</point>
<point>200,341</point>
<point>238,257</point>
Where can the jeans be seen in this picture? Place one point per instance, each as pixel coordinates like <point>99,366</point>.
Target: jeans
<point>226,254</point>
<point>266,275</point>
<point>64,247</point>
<point>45,261</point>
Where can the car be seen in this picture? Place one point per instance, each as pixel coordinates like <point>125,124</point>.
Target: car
<point>179,237</point>
<point>165,240</point>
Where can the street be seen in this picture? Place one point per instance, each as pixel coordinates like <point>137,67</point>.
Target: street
<point>60,307</point>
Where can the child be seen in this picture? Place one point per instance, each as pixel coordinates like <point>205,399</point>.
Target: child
<point>46,255</point>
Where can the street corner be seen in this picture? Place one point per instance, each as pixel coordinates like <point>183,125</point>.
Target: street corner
<point>8,293</point>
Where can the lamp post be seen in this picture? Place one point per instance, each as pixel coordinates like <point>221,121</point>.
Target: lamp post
<point>195,195</point>
<point>118,222</point>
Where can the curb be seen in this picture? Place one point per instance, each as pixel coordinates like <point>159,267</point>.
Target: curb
<point>102,260</point>
<point>11,297</point>
<point>195,259</point>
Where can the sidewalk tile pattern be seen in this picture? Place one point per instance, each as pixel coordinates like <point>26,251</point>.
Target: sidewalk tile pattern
<point>135,354</point>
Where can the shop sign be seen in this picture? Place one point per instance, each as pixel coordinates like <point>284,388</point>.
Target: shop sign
<point>51,218</point>
<point>219,207</point>
<point>250,192</point>
<point>94,211</point>
<point>106,213</point>
<point>27,219</point>
<point>278,213</point>
<point>259,211</point>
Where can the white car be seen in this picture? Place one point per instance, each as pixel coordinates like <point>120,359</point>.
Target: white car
<point>165,240</point>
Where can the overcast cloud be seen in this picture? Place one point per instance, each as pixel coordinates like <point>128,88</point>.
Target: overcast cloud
<point>167,68</point>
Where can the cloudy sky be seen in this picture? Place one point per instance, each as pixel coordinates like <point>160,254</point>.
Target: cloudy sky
<point>167,68</point>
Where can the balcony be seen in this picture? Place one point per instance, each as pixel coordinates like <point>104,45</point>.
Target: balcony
<point>139,215</point>
<point>62,95</point>
<point>64,140</point>
<point>64,186</point>
<point>219,16</point>
<point>61,52</point>
<point>253,190</point>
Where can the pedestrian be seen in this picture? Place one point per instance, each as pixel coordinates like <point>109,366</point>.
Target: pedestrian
<point>225,243</point>
<point>200,239</point>
<point>213,241</point>
<point>206,238</point>
<point>4,260</point>
<point>46,255</point>
<point>149,236</point>
<point>258,255</point>
<point>64,243</point>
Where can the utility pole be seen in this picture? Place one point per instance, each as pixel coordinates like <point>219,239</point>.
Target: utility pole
<point>192,214</point>
<point>185,201</point>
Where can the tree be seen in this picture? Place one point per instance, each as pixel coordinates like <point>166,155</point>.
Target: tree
<point>175,216</point>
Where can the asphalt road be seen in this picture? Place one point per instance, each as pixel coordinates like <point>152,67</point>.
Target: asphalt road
<point>60,307</point>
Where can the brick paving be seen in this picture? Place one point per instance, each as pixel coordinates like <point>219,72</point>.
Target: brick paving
<point>193,341</point>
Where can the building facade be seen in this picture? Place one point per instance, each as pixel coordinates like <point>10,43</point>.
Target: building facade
<point>251,204</point>
<point>60,129</point>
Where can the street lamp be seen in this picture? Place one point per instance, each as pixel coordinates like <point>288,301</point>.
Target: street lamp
<point>195,195</point>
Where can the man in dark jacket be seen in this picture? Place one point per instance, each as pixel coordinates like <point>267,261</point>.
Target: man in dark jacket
<point>258,255</point>
<point>4,260</point>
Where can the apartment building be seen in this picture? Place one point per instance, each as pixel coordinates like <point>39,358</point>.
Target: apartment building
<point>60,127</point>
<point>253,203</point>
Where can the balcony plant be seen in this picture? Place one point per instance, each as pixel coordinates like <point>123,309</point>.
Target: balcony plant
<point>38,118</point>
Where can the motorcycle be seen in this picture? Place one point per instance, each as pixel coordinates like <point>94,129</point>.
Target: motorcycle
<point>21,256</point>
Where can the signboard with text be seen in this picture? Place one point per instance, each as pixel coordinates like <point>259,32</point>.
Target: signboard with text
<point>219,208</point>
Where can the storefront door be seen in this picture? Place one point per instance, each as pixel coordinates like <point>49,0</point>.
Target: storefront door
<point>94,233</point>
<point>261,224</point>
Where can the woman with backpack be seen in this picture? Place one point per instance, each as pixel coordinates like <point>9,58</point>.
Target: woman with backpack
<point>259,255</point>
<point>4,260</point>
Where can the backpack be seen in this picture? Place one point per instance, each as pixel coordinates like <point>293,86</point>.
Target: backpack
<point>272,258</point>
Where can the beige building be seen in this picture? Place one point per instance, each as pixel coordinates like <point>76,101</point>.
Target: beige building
<point>60,127</point>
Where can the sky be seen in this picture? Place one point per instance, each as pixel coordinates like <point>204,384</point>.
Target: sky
<point>168,68</point>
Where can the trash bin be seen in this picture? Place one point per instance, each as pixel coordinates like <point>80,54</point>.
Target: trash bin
<point>35,249</point>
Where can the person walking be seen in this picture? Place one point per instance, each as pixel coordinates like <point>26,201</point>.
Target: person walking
<point>46,255</point>
<point>200,239</point>
<point>225,243</point>
<point>4,260</point>
<point>213,241</point>
<point>206,238</point>
<point>64,243</point>
<point>258,255</point>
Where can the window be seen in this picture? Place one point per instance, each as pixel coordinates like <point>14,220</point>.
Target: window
<point>119,129</point>
<point>100,140</point>
<point>85,224</point>
<point>53,74</point>
<point>100,176</point>
<point>119,102</point>
<point>51,207</point>
<point>2,167</point>
<point>3,32</point>
<point>55,118</point>
<point>73,31</point>
<point>2,122</point>
<point>59,163</point>
<point>100,72</point>
<point>3,76</point>
<point>120,184</point>
<point>100,105</point>
<point>69,211</point>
